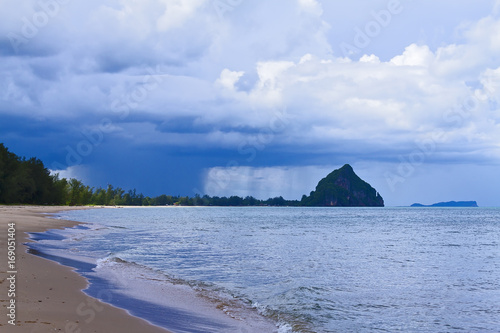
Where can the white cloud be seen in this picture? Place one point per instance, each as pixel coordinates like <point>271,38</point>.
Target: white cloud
<point>270,71</point>
<point>485,33</point>
<point>370,59</point>
<point>229,78</point>
<point>177,12</point>
<point>79,172</point>
<point>306,58</point>
<point>414,55</point>
<point>311,6</point>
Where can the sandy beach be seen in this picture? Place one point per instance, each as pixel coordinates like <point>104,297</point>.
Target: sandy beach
<point>39,295</point>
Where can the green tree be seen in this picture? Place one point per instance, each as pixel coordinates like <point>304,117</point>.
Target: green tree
<point>110,195</point>
<point>75,187</point>
<point>60,189</point>
<point>250,201</point>
<point>99,197</point>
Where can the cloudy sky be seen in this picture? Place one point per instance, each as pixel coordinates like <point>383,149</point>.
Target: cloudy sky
<point>259,98</point>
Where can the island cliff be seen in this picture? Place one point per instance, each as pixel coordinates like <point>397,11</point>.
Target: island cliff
<point>343,188</point>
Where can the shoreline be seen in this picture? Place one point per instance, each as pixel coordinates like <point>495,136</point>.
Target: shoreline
<point>41,295</point>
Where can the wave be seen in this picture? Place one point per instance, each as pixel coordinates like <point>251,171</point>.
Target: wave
<point>155,285</point>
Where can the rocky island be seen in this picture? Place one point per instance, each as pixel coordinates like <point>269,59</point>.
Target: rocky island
<point>343,188</point>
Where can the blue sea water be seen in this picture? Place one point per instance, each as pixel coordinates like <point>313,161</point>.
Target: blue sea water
<point>302,269</point>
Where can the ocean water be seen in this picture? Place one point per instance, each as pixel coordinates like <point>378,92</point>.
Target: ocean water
<point>291,269</point>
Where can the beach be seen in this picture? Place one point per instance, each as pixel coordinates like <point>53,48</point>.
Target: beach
<point>40,295</point>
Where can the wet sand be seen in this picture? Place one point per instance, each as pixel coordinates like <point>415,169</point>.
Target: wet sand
<point>48,296</point>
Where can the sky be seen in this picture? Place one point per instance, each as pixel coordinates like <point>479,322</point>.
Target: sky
<point>262,98</point>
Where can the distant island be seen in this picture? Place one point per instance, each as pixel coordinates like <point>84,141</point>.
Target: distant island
<point>449,204</point>
<point>28,181</point>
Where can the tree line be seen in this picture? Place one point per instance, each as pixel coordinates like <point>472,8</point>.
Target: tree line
<point>28,181</point>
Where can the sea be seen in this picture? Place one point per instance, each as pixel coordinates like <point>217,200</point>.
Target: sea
<point>289,269</point>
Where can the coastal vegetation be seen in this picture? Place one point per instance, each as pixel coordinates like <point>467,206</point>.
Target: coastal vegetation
<point>28,181</point>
